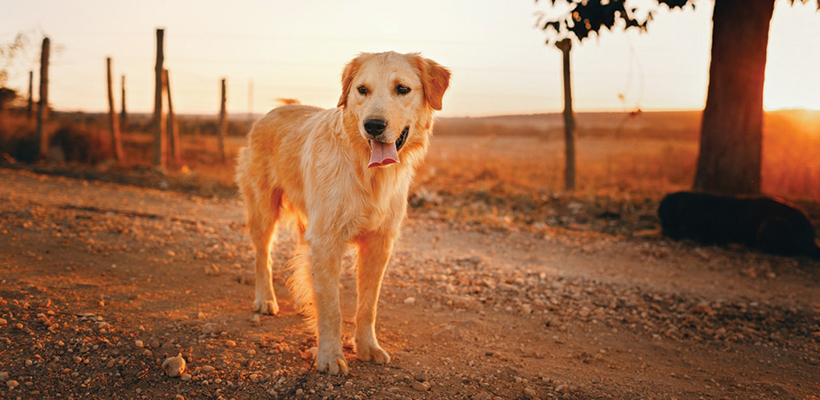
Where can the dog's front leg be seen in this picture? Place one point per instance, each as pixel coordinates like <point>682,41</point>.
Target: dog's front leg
<point>325,266</point>
<point>374,252</point>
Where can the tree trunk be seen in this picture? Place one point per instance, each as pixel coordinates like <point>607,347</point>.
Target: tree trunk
<point>113,122</point>
<point>732,127</point>
<point>159,159</point>
<point>42,106</point>
<point>569,117</point>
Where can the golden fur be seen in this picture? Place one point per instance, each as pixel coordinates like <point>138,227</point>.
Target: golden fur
<point>312,165</point>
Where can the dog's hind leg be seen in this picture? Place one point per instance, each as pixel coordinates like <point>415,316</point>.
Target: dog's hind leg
<point>374,252</point>
<point>263,214</point>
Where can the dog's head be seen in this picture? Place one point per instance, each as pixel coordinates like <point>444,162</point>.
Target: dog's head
<point>390,98</point>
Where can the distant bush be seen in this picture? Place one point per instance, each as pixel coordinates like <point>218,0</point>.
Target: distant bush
<point>80,143</point>
<point>18,138</point>
<point>72,140</point>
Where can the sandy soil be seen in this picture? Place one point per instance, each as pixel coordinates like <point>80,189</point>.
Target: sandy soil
<point>99,283</point>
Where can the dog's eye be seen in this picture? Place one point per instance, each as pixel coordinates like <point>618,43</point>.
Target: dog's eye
<point>401,89</point>
<point>362,89</point>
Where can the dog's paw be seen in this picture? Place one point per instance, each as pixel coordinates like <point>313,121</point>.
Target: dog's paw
<point>332,363</point>
<point>266,306</point>
<point>372,352</point>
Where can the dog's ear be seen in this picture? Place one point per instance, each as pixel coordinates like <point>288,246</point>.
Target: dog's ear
<point>347,79</point>
<point>434,78</point>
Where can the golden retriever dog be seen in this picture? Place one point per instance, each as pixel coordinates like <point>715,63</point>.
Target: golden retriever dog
<point>343,175</point>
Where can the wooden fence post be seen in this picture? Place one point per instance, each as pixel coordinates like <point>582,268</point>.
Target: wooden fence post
<point>30,107</point>
<point>223,123</point>
<point>42,107</point>
<point>123,114</point>
<point>113,122</point>
<point>173,127</point>
<point>569,117</point>
<point>159,160</point>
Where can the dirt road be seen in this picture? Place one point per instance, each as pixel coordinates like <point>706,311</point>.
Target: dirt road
<point>99,283</point>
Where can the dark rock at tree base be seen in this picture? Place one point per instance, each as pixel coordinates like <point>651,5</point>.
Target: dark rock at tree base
<point>763,223</point>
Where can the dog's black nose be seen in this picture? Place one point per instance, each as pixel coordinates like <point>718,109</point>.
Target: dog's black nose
<point>374,126</point>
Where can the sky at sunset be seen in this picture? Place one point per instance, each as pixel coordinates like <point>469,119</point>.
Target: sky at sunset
<point>499,61</point>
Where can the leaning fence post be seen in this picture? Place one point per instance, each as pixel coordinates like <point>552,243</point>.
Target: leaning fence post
<point>113,122</point>
<point>173,127</point>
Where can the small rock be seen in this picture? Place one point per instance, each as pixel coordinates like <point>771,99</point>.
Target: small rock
<point>256,320</point>
<point>208,368</point>
<point>185,377</point>
<point>245,277</point>
<point>4,376</point>
<point>312,353</point>
<point>483,396</point>
<point>420,386</point>
<point>12,384</point>
<point>201,315</point>
<point>422,376</point>
<point>138,343</point>
<point>3,321</point>
<point>174,366</point>
<point>704,308</point>
<point>230,343</point>
<point>210,327</point>
<point>529,392</point>
<point>410,300</point>
<point>212,270</point>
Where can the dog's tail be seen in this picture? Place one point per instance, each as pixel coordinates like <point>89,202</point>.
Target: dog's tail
<point>286,102</point>
<point>300,285</point>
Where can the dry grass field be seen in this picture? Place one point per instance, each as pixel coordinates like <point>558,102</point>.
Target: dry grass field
<point>647,153</point>
<point>618,153</point>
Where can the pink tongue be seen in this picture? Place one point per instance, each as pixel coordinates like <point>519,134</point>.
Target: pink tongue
<point>382,154</point>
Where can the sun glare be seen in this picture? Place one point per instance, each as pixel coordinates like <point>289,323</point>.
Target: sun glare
<point>792,79</point>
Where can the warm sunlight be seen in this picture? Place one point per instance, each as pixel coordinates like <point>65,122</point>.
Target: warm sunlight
<point>792,78</point>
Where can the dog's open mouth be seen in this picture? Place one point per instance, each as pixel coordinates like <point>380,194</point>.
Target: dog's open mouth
<point>382,154</point>
<point>402,138</point>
